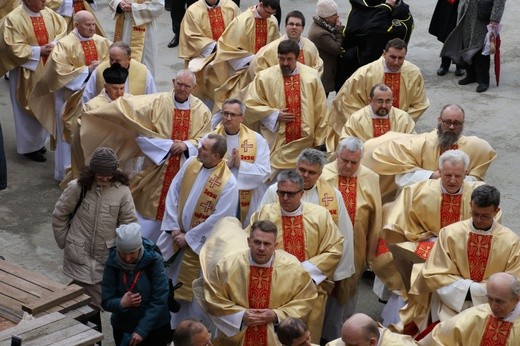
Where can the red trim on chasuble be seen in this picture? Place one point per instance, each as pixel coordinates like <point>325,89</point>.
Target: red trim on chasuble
<point>259,295</point>
<point>450,209</point>
<point>90,51</point>
<point>348,189</point>
<point>301,58</point>
<point>380,127</point>
<point>180,131</point>
<point>424,248</point>
<point>260,33</point>
<point>393,81</point>
<point>40,31</point>
<point>479,247</point>
<point>78,6</point>
<point>496,332</point>
<point>291,85</point>
<point>294,236</point>
<point>216,22</point>
<point>381,247</point>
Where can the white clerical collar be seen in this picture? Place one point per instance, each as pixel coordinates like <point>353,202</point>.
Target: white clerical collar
<point>296,212</point>
<point>380,336</point>
<point>479,231</point>
<point>387,70</point>
<point>514,314</point>
<point>444,191</point>
<point>268,264</point>
<point>31,13</point>
<point>235,136</point>
<point>78,35</point>
<point>184,105</point>
<point>256,13</point>
<point>375,116</point>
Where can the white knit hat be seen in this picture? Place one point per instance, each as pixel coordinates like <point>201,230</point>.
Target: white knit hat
<point>128,238</point>
<point>326,8</point>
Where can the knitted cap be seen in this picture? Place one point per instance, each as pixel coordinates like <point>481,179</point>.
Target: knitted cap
<point>115,74</point>
<point>104,161</point>
<point>128,238</point>
<point>326,8</point>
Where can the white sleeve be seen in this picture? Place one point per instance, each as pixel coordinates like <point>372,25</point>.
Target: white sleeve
<point>206,51</point>
<point>32,64</point>
<point>410,178</point>
<point>78,82</point>
<point>478,293</point>
<point>454,294</point>
<point>240,63</point>
<point>252,174</point>
<point>192,150</point>
<point>146,12</point>
<point>65,9</point>
<point>315,273</point>
<point>271,122</point>
<point>90,88</point>
<point>346,266</point>
<point>470,178</point>
<point>269,196</point>
<point>156,149</point>
<point>150,84</point>
<point>229,324</point>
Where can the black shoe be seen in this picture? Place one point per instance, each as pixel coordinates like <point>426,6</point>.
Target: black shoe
<point>36,156</point>
<point>174,42</point>
<point>459,72</point>
<point>467,80</point>
<point>43,150</point>
<point>6,76</point>
<point>442,71</point>
<point>482,87</point>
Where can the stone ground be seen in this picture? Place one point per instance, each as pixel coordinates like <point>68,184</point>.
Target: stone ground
<point>26,206</point>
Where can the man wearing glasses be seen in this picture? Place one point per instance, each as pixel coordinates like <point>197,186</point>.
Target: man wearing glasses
<point>308,232</point>
<point>413,158</point>
<point>294,26</point>
<point>378,117</point>
<point>465,255</point>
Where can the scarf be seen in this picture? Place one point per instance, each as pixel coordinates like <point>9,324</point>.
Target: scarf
<point>129,267</point>
<point>322,23</point>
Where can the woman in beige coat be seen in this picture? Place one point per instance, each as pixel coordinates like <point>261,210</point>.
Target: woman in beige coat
<point>85,220</point>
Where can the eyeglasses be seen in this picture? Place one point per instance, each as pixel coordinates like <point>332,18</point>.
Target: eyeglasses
<point>289,194</point>
<point>230,114</point>
<point>383,102</point>
<point>448,123</point>
<point>294,24</point>
<point>481,216</point>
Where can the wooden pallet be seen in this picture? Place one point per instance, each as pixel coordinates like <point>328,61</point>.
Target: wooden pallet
<point>24,290</point>
<point>52,329</point>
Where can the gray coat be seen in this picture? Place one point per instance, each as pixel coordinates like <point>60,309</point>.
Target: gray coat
<point>467,39</point>
<point>329,47</point>
<point>88,237</point>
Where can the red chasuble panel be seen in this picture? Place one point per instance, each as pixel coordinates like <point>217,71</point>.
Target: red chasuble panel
<point>479,247</point>
<point>348,189</point>
<point>393,81</point>
<point>380,127</point>
<point>78,6</point>
<point>450,209</point>
<point>260,33</point>
<point>40,31</point>
<point>294,236</point>
<point>496,332</point>
<point>424,248</point>
<point>293,130</point>
<point>216,22</point>
<point>90,51</point>
<point>259,295</point>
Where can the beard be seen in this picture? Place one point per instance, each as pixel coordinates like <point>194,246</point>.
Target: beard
<point>447,138</point>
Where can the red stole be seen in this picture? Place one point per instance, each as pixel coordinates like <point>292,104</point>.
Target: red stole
<point>479,247</point>
<point>260,33</point>
<point>301,58</point>
<point>424,248</point>
<point>393,81</point>
<point>180,131</point>
<point>293,130</point>
<point>78,6</point>
<point>40,31</point>
<point>294,236</point>
<point>450,209</point>
<point>259,295</point>
<point>496,332</point>
<point>216,22</point>
<point>90,51</point>
<point>348,189</point>
<point>380,126</point>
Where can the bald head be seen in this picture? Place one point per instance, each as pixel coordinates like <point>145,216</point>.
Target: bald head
<point>360,330</point>
<point>85,23</point>
<point>503,292</point>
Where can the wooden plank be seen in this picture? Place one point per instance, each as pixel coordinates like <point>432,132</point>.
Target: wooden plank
<point>11,315</point>
<point>68,305</point>
<point>15,293</point>
<point>88,337</point>
<point>57,333</point>
<point>29,334</point>
<point>81,314</point>
<point>31,276</point>
<point>24,285</point>
<point>36,306</point>
<point>12,306</point>
<point>34,324</point>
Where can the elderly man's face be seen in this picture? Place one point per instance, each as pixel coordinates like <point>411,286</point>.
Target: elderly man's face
<point>348,162</point>
<point>452,176</point>
<point>381,102</point>
<point>394,58</point>
<point>114,91</point>
<point>206,154</point>
<point>87,25</point>
<point>118,55</point>
<point>183,86</point>
<point>500,299</point>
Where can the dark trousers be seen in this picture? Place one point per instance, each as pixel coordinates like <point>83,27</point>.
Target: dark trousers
<point>479,68</point>
<point>177,11</point>
<point>3,165</point>
<point>157,337</point>
<point>446,62</point>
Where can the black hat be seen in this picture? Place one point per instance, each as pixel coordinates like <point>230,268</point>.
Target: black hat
<point>115,74</point>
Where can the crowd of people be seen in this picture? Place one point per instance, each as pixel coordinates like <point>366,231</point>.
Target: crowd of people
<point>246,197</point>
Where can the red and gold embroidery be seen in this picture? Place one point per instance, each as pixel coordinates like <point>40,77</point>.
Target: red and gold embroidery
<point>450,209</point>
<point>479,247</point>
<point>348,189</point>
<point>216,22</point>
<point>40,31</point>
<point>496,332</point>
<point>380,127</point>
<point>260,33</point>
<point>90,51</point>
<point>293,130</point>
<point>424,248</point>
<point>393,81</point>
<point>78,6</point>
<point>294,236</point>
<point>259,295</point>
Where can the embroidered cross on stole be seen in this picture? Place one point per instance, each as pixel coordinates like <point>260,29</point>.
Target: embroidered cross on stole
<point>327,198</point>
<point>90,51</point>
<point>180,131</point>
<point>393,81</point>
<point>479,247</point>
<point>293,130</point>
<point>294,236</point>
<point>40,31</point>
<point>348,189</point>
<point>216,22</point>
<point>496,332</point>
<point>259,295</point>
<point>380,127</point>
<point>260,33</point>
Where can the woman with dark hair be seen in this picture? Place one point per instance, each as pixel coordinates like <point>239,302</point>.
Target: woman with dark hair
<point>85,219</point>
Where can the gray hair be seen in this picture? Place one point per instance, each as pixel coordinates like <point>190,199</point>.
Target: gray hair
<point>292,176</point>
<point>312,156</point>
<point>125,47</point>
<point>186,72</point>
<point>351,144</point>
<point>235,102</point>
<point>454,156</point>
